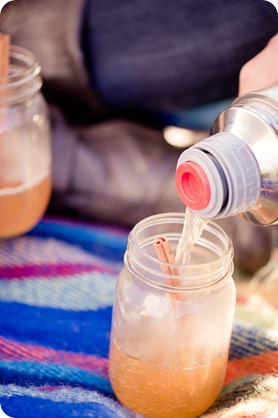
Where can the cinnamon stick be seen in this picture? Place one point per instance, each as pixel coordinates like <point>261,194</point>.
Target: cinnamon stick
<point>4,70</point>
<point>4,54</point>
<point>165,255</point>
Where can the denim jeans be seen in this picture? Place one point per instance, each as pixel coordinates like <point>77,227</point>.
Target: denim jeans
<point>164,58</point>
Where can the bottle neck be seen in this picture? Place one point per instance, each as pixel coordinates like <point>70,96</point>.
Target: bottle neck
<point>267,98</point>
<point>211,258</point>
<point>232,173</point>
<point>23,80</point>
<point>257,111</point>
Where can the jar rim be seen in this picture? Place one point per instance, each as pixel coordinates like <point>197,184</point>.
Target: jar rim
<point>29,68</point>
<point>194,276</point>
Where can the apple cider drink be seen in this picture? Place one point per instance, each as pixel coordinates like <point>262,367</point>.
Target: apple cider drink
<point>171,332</point>
<point>25,149</point>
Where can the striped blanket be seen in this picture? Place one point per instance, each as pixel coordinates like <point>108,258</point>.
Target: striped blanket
<point>56,293</point>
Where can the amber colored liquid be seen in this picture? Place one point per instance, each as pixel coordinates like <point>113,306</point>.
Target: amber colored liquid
<point>164,393</point>
<point>22,207</point>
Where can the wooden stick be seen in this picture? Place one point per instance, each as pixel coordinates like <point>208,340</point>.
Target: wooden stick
<point>165,255</point>
<point>4,71</point>
<point>4,54</point>
<point>161,255</point>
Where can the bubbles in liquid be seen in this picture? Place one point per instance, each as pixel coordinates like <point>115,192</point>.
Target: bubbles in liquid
<point>192,230</point>
<point>160,392</point>
<point>22,205</point>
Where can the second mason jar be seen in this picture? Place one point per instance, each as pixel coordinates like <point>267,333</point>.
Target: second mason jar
<point>25,145</point>
<point>171,332</point>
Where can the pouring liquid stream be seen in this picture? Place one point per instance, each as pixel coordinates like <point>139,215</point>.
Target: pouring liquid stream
<point>192,230</point>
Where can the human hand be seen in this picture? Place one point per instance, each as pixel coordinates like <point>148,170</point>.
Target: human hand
<point>262,70</point>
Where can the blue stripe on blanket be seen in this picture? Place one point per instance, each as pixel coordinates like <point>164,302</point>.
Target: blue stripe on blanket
<point>25,406</point>
<point>83,331</point>
<point>41,372</point>
<point>44,401</point>
<point>249,340</point>
<point>99,241</point>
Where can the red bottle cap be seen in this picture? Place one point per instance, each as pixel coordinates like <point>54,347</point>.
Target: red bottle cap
<point>193,185</point>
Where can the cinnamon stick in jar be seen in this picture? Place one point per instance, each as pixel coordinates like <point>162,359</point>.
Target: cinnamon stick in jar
<point>4,67</point>
<point>4,55</point>
<point>165,255</point>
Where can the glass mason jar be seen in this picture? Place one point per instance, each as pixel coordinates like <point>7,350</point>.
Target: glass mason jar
<point>25,148</point>
<point>171,333</point>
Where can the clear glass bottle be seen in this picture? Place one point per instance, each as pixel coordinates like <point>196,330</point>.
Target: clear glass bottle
<point>25,148</point>
<point>171,333</point>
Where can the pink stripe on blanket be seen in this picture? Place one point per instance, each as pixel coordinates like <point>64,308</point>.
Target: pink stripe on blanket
<point>50,270</point>
<point>15,351</point>
<point>265,363</point>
